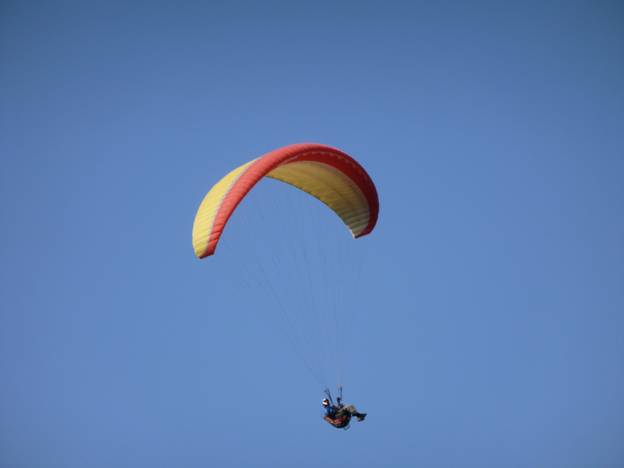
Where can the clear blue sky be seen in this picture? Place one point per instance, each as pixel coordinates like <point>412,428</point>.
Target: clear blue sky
<point>490,331</point>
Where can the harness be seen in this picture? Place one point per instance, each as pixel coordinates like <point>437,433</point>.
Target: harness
<point>341,421</point>
<point>342,418</point>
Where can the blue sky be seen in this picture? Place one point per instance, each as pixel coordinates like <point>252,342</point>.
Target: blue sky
<point>486,327</point>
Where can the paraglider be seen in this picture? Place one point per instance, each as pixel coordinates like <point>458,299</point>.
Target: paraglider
<point>326,173</point>
<point>337,414</point>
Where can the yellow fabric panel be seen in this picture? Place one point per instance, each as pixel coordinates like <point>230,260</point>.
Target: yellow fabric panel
<point>330,186</point>
<point>204,219</point>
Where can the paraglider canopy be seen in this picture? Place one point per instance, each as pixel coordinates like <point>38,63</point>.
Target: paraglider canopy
<point>326,173</point>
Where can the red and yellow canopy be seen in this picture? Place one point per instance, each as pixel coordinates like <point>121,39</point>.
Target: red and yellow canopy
<point>330,175</point>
